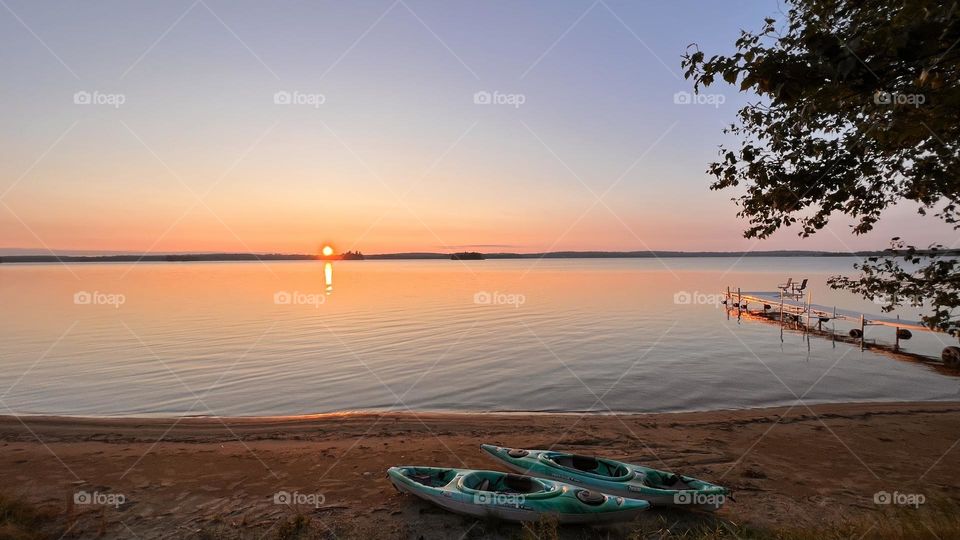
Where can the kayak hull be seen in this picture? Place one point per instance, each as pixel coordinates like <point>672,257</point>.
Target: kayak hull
<point>559,501</point>
<point>633,481</point>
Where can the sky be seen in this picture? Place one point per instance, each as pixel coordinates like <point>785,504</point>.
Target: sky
<point>380,126</point>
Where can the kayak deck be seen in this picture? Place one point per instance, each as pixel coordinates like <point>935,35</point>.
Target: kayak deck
<point>662,488</point>
<point>512,497</point>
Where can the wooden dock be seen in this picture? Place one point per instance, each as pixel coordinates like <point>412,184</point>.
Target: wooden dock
<point>785,306</point>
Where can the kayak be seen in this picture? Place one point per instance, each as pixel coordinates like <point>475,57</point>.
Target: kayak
<point>512,497</point>
<point>660,488</point>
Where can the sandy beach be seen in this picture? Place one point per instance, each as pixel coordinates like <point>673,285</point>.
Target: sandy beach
<point>210,477</point>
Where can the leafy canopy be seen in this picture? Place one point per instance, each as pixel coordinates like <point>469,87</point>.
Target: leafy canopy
<point>858,109</point>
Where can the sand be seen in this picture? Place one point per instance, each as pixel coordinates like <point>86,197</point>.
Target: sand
<point>176,478</point>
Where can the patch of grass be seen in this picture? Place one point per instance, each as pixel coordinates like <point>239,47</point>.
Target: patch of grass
<point>294,529</point>
<point>306,527</point>
<point>22,521</point>
<point>935,520</point>
<point>545,528</point>
<point>931,521</point>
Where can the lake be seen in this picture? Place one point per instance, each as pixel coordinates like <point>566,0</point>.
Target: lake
<point>556,335</point>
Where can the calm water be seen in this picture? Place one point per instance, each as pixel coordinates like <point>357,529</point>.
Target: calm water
<point>559,335</point>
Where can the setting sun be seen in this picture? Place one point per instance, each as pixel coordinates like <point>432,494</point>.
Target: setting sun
<point>327,251</point>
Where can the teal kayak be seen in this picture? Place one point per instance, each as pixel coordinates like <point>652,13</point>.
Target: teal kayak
<point>660,488</point>
<point>512,497</point>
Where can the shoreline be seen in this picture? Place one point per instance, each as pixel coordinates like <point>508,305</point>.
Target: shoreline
<point>431,413</point>
<point>207,473</point>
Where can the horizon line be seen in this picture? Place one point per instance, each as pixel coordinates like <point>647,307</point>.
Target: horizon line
<point>124,256</point>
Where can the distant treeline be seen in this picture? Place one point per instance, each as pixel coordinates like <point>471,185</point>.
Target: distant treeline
<point>639,254</point>
<point>157,258</point>
<point>467,256</point>
<point>195,257</point>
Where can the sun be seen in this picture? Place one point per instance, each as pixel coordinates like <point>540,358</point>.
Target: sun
<point>327,251</point>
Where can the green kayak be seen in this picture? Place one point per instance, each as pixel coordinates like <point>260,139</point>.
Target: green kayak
<point>660,488</point>
<point>511,497</point>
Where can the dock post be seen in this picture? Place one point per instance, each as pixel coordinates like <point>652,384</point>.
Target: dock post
<point>862,335</point>
<point>739,301</point>
<point>727,303</point>
<point>896,344</point>
<point>833,327</point>
<point>781,310</point>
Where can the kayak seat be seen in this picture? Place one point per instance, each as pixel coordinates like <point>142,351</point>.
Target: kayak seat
<point>621,470</point>
<point>581,463</point>
<point>672,481</point>
<point>585,463</point>
<point>431,478</point>
<point>519,484</point>
<point>612,470</point>
<point>503,483</point>
<point>592,465</point>
<point>424,479</point>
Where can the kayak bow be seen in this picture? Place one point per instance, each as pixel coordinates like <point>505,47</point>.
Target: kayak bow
<point>511,497</point>
<point>660,488</point>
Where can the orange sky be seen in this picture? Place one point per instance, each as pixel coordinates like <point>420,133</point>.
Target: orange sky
<point>587,149</point>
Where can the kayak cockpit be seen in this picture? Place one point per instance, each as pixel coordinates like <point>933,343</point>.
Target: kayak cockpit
<point>429,476</point>
<point>511,484</point>
<point>604,468</point>
<point>669,481</point>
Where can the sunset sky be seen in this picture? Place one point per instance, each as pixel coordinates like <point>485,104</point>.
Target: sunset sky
<point>386,150</point>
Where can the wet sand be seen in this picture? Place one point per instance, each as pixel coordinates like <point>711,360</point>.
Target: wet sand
<point>177,478</point>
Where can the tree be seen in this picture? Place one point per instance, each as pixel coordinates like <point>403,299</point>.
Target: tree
<point>858,110</point>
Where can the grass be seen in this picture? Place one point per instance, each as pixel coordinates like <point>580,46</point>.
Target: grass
<point>938,519</point>
<point>21,521</point>
<point>545,528</point>
<point>931,522</point>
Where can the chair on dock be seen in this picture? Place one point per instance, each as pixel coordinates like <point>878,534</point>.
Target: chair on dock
<point>797,290</point>
<point>785,287</point>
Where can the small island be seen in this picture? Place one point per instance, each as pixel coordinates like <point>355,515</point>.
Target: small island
<point>327,254</point>
<point>467,256</point>
<point>351,256</point>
